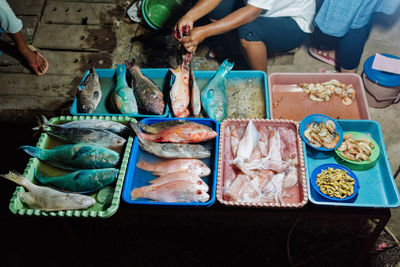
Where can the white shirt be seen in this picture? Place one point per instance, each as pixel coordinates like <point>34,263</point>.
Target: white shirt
<point>302,11</point>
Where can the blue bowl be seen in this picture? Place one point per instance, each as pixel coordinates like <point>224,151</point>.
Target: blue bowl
<point>318,118</point>
<point>318,170</point>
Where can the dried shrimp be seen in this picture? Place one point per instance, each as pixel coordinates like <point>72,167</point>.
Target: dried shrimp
<point>322,134</point>
<point>356,149</point>
<point>324,91</point>
<point>335,183</point>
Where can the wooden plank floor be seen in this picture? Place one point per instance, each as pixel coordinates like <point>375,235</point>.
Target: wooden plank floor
<point>73,36</point>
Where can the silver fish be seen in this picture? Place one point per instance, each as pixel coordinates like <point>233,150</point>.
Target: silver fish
<point>89,93</point>
<point>195,99</point>
<point>111,126</point>
<point>47,199</point>
<point>82,135</point>
<point>171,150</point>
<point>149,96</point>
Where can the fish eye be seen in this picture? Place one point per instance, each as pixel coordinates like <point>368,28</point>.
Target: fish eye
<point>199,192</point>
<point>199,182</point>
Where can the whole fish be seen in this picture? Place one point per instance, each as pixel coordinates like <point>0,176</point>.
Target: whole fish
<point>47,199</point>
<point>180,175</point>
<point>194,166</point>
<point>175,191</point>
<point>82,135</point>
<point>80,181</point>
<point>170,150</point>
<point>214,98</point>
<point>122,98</point>
<point>185,133</point>
<point>179,94</point>
<point>89,92</point>
<point>76,157</point>
<point>149,96</point>
<point>160,126</point>
<point>111,126</point>
<point>195,100</point>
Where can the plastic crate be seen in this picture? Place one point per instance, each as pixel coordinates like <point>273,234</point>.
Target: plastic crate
<point>107,82</point>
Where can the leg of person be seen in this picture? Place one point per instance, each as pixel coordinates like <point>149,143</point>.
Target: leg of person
<point>323,47</point>
<point>277,34</point>
<point>351,47</point>
<point>13,26</point>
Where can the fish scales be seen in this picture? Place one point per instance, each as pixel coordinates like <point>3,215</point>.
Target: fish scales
<point>89,92</point>
<point>123,98</point>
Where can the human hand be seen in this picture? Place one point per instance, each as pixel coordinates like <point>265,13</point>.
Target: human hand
<point>196,37</point>
<point>183,27</point>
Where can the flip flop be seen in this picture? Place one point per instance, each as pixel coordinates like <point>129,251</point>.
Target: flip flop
<point>35,66</point>
<point>322,55</point>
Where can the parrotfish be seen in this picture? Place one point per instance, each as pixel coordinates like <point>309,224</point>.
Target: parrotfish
<point>194,166</point>
<point>185,133</point>
<point>175,191</point>
<point>149,96</point>
<point>89,92</point>
<point>171,150</point>
<point>82,135</point>
<point>76,157</point>
<point>123,98</point>
<point>47,199</point>
<point>214,98</point>
<point>80,181</point>
<point>179,94</point>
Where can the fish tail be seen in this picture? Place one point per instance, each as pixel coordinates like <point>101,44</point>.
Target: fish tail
<point>144,165</point>
<point>42,122</point>
<point>139,192</point>
<point>175,71</point>
<point>33,151</point>
<point>132,65</point>
<point>15,177</point>
<point>141,135</point>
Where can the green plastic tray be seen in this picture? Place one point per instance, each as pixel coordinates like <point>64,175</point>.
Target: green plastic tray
<point>107,205</point>
<point>359,165</point>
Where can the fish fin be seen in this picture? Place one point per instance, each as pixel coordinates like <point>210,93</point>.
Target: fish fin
<point>144,165</point>
<point>137,193</point>
<point>33,151</point>
<point>27,198</point>
<point>141,135</point>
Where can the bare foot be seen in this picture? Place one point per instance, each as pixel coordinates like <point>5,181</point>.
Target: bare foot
<point>37,63</point>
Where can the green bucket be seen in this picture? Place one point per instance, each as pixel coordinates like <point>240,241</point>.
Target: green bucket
<point>161,13</point>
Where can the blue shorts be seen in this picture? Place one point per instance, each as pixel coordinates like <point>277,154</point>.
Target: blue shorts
<point>279,34</point>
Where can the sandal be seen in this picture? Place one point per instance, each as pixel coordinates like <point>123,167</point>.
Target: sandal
<point>322,55</point>
<point>210,55</point>
<point>35,66</point>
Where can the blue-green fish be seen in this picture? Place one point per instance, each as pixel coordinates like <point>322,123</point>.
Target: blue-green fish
<point>214,98</point>
<point>76,157</point>
<point>123,98</point>
<point>80,181</point>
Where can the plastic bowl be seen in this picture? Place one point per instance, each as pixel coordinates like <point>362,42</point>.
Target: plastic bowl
<point>318,118</point>
<point>318,170</point>
<point>359,165</point>
<point>161,13</point>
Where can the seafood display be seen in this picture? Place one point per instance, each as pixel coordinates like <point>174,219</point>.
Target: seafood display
<point>149,96</point>
<point>82,134</point>
<point>80,181</point>
<point>193,166</point>
<point>214,98</point>
<point>356,149</point>
<point>335,183</point>
<point>75,156</point>
<point>322,134</point>
<point>123,98</point>
<point>324,91</point>
<point>47,199</point>
<point>89,93</point>
<point>264,163</point>
<point>170,150</point>
<point>190,132</point>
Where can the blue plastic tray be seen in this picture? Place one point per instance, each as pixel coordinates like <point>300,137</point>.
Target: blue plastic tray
<point>377,186</point>
<point>107,81</point>
<point>204,76</point>
<point>136,177</point>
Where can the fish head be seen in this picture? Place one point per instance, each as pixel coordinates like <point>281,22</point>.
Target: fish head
<point>201,184</point>
<point>87,107</point>
<point>200,195</point>
<point>199,151</point>
<point>82,200</point>
<point>111,159</point>
<point>201,168</point>
<point>117,141</point>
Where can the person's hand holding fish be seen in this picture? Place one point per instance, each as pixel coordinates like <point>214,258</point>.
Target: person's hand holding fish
<point>196,37</point>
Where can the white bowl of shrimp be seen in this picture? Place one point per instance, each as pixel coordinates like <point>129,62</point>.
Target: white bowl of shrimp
<point>321,132</point>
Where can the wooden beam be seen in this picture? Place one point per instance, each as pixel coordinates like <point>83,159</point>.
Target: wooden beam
<point>82,13</point>
<point>75,37</point>
<point>34,102</point>
<point>29,24</point>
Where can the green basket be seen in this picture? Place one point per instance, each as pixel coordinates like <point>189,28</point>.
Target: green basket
<point>161,13</point>
<point>107,199</point>
<point>359,165</point>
